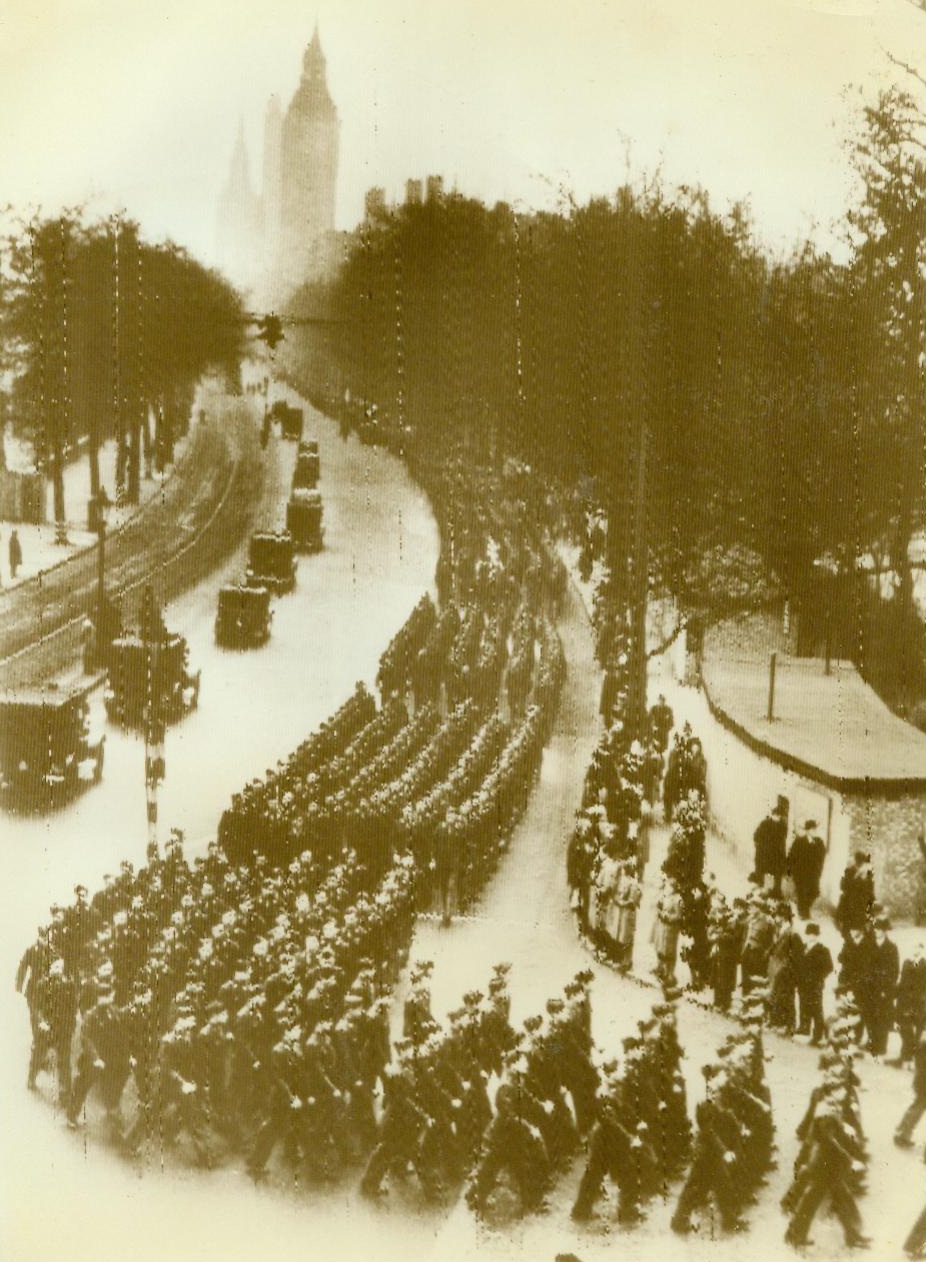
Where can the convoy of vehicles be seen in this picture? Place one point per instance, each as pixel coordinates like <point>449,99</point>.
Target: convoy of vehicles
<point>243,616</point>
<point>271,562</point>
<point>304,520</point>
<point>46,751</point>
<point>47,755</point>
<point>146,672</point>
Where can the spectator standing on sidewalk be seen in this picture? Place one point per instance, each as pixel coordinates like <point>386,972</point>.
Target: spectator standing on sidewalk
<point>856,894</point>
<point>661,720</point>
<point>669,911</point>
<point>815,967</point>
<point>911,1003</point>
<point>805,867</point>
<point>882,987</point>
<point>784,970</point>
<point>770,841</point>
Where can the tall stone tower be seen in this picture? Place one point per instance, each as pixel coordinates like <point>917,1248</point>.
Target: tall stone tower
<point>308,174</point>
<point>239,220</point>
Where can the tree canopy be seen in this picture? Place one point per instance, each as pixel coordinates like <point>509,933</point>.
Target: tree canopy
<point>105,335</point>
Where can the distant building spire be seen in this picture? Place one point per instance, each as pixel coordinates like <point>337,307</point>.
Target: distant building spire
<point>239,216</point>
<point>286,234</point>
<point>239,177</point>
<point>313,61</point>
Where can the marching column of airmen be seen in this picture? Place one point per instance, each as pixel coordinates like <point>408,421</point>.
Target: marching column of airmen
<point>216,996</point>
<point>255,1017</point>
<point>832,1161</point>
<point>735,1141</point>
<point>217,991</point>
<point>640,1136</point>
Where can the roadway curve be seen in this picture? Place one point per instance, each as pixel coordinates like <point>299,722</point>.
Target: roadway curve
<point>216,494</point>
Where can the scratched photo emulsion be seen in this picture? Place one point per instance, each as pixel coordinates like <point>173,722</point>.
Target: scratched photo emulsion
<point>463,631</point>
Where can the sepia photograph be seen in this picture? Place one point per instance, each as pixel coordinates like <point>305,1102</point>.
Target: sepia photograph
<point>463,630</point>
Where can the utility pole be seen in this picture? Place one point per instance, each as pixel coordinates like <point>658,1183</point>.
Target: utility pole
<point>155,724</point>
<point>639,582</point>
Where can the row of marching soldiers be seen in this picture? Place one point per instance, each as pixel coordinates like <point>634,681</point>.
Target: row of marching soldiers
<point>734,1146</point>
<point>832,1161</point>
<point>630,1117</point>
<point>554,1095</point>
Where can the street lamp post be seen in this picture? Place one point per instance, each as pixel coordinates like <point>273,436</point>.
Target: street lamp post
<point>101,507</point>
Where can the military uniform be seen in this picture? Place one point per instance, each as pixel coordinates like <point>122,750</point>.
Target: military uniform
<point>715,1167</point>
<point>516,1145</point>
<point>54,1002</point>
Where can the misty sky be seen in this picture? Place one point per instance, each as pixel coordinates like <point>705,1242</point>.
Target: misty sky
<point>137,106</point>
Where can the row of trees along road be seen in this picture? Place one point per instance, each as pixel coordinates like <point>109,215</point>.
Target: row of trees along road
<point>782,399</point>
<point>105,335</point>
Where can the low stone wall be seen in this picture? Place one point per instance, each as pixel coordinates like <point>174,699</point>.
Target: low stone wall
<point>888,828</point>
<point>882,819</point>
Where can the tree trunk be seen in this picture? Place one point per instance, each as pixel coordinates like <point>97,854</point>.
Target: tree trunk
<point>133,488</point>
<point>93,456</point>
<point>57,474</point>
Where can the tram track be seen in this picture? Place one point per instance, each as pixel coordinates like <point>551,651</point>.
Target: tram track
<point>171,543</point>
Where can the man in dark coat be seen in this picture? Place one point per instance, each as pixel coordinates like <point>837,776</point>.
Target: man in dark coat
<point>805,867</point>
<point>514,1144</point>
<point>661,720</point>
<point>580,855</point>
<point>16,554</point>
<point>104,1059</point>
<point>815,967</point>
<point>911,1003</point>
<point>784,970</point>
<point>856,894</point>
<point>33,970</point>
<point>770,840</point>
<point>856,964</point>
<point>55,1001</point>
<point>882,987</point>
<point>714,1169</point>
<point>617,1148</point>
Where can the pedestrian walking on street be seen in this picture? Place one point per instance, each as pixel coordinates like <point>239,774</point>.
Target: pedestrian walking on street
<point>830,1167</point>
<point>16,554</point>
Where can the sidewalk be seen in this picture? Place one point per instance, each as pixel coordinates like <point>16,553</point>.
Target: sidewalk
<point>40,549</point>
<point>728,859</point>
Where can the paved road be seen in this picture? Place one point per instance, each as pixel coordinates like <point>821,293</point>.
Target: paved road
<point>60,1199</point>
<point>209,503</point>
<point>348,602</point>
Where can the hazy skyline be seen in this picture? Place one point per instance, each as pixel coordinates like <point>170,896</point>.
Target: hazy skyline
<point>139,107</point>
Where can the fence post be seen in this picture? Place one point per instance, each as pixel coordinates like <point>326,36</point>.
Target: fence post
<point>772,663</point>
